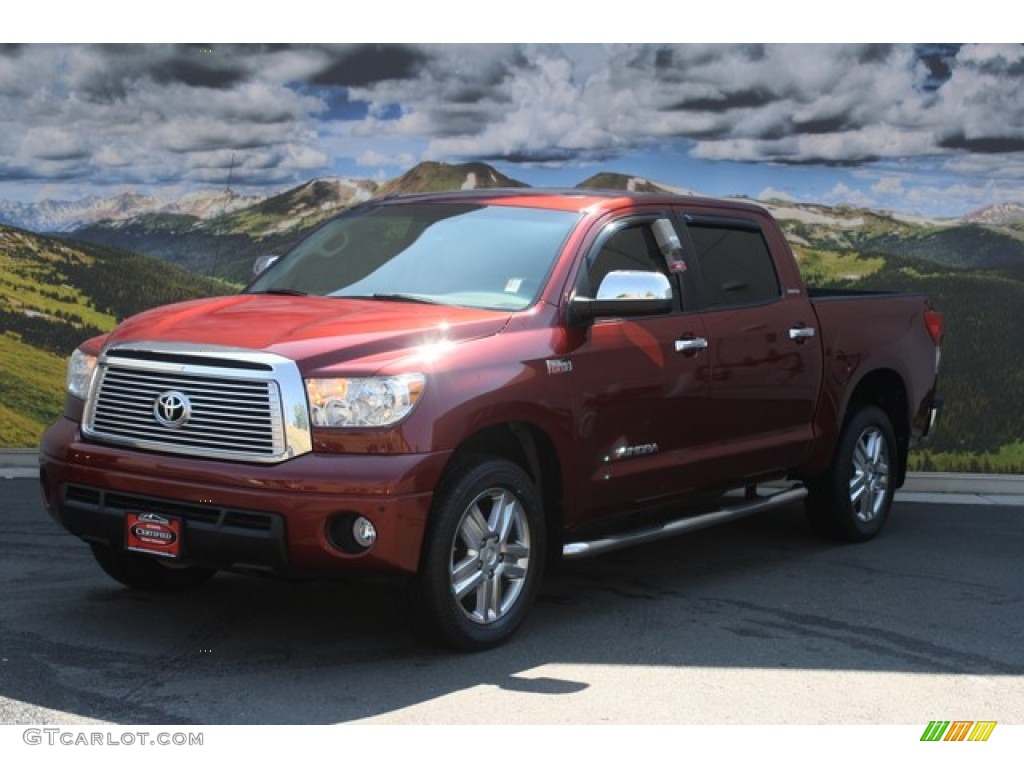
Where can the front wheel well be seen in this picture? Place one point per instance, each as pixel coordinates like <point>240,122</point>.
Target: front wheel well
<point>533,451</point>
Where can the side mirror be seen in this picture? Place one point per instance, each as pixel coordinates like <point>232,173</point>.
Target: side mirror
<point>263,263</point>
<point>626,293</point>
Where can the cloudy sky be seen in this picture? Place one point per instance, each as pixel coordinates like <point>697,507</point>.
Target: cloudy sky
<point>932,129</point>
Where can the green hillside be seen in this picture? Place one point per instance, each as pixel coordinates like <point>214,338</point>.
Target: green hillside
<point>439,177</point>
<point>60,292</point>
<point>294,211</point>
<point>981,378</point>
<point>969,246</point>
<point>226,246</point>
<point>821,266</point>
<point>31,391</point>
<point>609,180</point>
<point>841,227</point>
<point>54,295</point>
<point>228,256</point>
<point>966,246</point>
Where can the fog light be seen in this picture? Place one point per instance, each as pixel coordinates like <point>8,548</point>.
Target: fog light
<point>351,533</point>
<point>363,532</point>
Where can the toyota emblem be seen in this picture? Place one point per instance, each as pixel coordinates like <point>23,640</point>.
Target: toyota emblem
<point>171,409</point>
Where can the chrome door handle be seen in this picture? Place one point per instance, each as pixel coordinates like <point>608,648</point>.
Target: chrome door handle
<point>798,332</point>
<point>691,344</point>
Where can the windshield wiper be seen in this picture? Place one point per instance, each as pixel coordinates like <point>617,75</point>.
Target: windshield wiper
<point>281,292</point>
<point>410,297</point>
<point>405,297</point>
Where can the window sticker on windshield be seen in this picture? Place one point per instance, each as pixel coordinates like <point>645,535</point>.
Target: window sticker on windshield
<point>513,285</point>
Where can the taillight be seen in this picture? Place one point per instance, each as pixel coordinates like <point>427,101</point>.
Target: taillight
<point>935,324</point>
<point>934,321</point>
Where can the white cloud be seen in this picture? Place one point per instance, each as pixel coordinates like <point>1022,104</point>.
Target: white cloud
<point>888,185</point>
<point>981,108</point>
<point>842,194</point>
<point>986,53</point>
<point>371,158</point>
<point>784,103</point>
<point>166,114</point>
<point>771,193</point>
<point>144,114</point>
<point>1007,167</point>
<point>958,198</point>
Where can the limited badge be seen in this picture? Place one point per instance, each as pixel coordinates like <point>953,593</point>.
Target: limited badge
<point>559,366</point>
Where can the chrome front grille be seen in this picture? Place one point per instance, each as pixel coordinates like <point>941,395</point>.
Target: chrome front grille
<point>191,403</point>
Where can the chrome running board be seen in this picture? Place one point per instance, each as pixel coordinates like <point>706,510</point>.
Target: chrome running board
<point>576,550</point>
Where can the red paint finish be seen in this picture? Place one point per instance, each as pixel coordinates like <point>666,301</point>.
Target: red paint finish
<point>612,417</point>
<point>633,391</point>
<point>764,387</point>
<point>316,330</point>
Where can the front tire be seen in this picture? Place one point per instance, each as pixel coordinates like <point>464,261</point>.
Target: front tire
<point>852,500</point>
<point>147,573</point>
<point>483,557</point>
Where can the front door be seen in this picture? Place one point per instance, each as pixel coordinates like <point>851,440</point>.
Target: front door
<point>640,387</point>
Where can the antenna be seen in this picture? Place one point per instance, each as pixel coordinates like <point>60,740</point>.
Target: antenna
<point>231,170</point>
<point>223,207</point>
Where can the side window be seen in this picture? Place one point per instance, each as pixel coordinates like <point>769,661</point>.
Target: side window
<point>736,267</point>
<point>632,248</point>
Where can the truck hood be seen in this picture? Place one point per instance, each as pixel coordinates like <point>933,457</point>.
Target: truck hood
<point>315,331</point>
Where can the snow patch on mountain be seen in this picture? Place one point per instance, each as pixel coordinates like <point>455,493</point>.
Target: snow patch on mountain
<point>207,204</point>
<point>923,221</point>
<point>807,216</point>
<point>998,215</point>
<point>69,215</point>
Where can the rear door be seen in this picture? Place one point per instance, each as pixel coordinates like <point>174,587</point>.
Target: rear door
<point>763,349</point>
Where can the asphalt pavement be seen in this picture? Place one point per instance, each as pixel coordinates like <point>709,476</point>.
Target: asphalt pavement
<point>754,622</point>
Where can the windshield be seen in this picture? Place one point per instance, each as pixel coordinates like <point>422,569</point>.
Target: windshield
<point>467,254</point>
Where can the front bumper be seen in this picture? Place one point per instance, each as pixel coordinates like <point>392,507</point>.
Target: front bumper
<point>267,518</point>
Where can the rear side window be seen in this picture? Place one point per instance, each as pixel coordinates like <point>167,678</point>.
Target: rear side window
<point>735,266</point>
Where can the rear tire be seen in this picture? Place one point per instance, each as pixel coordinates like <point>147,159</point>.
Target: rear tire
<point>853,499</point>
<point>483,558</point>
<point>148,573</point>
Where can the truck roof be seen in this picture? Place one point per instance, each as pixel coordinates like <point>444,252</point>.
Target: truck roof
<point>567,198</point>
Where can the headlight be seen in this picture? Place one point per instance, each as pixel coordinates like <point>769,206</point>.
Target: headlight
<point>375,401</point>
<point>80,369</point>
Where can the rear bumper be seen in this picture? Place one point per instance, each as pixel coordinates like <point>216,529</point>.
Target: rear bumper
<point>249,517</point>
<point>932,420</point>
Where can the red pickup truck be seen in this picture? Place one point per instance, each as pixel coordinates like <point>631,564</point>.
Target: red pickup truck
<point>459,388</point>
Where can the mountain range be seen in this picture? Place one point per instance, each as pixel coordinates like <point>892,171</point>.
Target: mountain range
<point>55,294</point>
<point>311,201</point>
<point>221,233</point>
<point>261,215</point>
<point>56,290</point>
<point>69,215</point>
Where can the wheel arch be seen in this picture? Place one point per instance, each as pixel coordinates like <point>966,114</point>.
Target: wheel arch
<point>886,389</point>
<point>530,448</point>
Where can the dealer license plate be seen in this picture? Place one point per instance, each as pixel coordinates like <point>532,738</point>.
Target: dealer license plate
<point>153,534</point>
